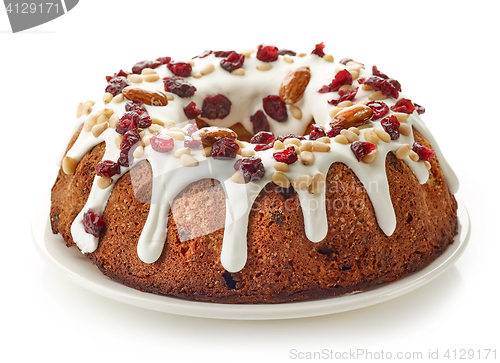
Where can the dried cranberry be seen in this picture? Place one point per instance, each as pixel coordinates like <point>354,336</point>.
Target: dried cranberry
<point>191,129</point>
<point>380,84</point>
<point>192,144</point>
<point>267,53</point>
<point>377,73</point>
<point>93,223</point>
<point>223,53</point>
<point>164,60</point>
<point>289,136</point>
<point>121,73</point>
<point>135,106</point>
<point>205,54</point>
<point>179,86</point>
<point>250,167</point>
<point>391,126</point>
<point>403,105</point>
<point>139,66</point>
<point>131,140</point>
<point>287,52</point>
<point>215,107</point>
<point>347,95</point>
<point>275,108</point>
<point>379,108</point>
<point>225,148</point>
<point>287,156</point>
<point>180,69</point>
<point>144,120</point>
<point>116,84</point>
<point>341,78</point>
<point>319,50</point>
<point>420,109</point>
<point>259,121</point>
<point>107,168</point>
<point>191,111</point>
<point>344,61</point>
<point>262,137</point>
<point>232,62</point>
<point>316,132</point>
<point>424,153</point>
<point>362,148</point>
<point>161,143</point>
<point>127,122</point>
<point>334,131</point>
<point>262,147</point>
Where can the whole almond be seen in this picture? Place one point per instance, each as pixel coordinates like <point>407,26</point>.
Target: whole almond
<point>355,115</point>
<point>294,84</point>
<point>148,96</point>
<point>208,135</point>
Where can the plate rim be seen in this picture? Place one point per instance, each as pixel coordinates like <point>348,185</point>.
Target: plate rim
<point>49,247</point>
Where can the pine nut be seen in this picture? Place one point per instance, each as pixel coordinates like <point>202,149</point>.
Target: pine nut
<point>281,180</point>
<point>134,78</point>
<point>427,165</point>
<point>90,122</point>
<point>207,151</point>
<point>196,75</point>
<point>188,160</point>
<point>334,111</point>
<point>354,129</point>
<point>401,116</point>
<point>176,135</point>
<point>324,139</point>
<point>79,110</point>
<point>405,129</point>
<point>279,166</point>
<point>118,141</point>
<point>154,128</point>
<point>384,136</point>
<point>306,146</point>
<point>340,139</point>
<point>113,121</point>
<point>328,58</point>
<point>170,123</point>
<point>317,183</point>
<point>238,178</point>
<point>371,136</point>
<point>207,69</point>
<point>365,87</point>
<point>157,121</point>
<point>414,156</point>
<point>377,95</point>
<point>302,182</point>
<point>104,182</point>
<point>151,77</point>
<point>247,52</point>
<point>98,129</point>
<point>296,112</point>
<point>102,119</point>
<point>370,157</point>
<point>148,71</point>
<point>179,152</point>
<point>354,73</point>
<point>238,72</point>
<point>293,141</point>
<point>307,158</point>
<point>403,151</point>
<point>87,107</point>
<point>107,97</point>
<point>278,145</point>
<point>288,59</point>
<point>349,135</point>
<point>138,152</point>
<point>118,98</point>
<point>264,66</point>
<point>177,129</point>
<point>321,147</point>
<point>247,152</point>
<point>345,104</point>
<point>69,165</point>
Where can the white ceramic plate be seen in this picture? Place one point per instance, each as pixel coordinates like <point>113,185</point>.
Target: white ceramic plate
<point>80,270</point>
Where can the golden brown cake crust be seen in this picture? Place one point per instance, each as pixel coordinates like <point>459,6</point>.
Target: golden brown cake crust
<point>282,265</point>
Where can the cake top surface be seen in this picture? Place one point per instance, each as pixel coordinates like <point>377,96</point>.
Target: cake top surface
<point>248,118</point>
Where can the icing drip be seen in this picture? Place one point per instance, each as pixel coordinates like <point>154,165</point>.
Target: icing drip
<point>170,177</point>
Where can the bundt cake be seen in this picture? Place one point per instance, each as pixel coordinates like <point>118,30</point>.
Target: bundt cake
<point>258,176</point>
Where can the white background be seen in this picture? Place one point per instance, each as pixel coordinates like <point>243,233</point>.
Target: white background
<point>445,55</point>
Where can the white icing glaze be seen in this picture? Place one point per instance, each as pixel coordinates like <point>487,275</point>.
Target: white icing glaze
<point>246,94</point>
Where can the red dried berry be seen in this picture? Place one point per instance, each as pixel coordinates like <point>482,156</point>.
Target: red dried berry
<point>377,73</point>
<point>215,107</point>
<point>131,140</point>
<point>192,144</point>
<point>362,148</point>
<point>223,53</point>
<point>287,156</point>
<point>224,149</point>
<point>391,126</point>
<point>135,106</point>
<point>191,111</point>
<point>424,153</point>
<point>107,168</point>
<point>144,121</point>
<point>289,136</point>
<point>262,147</point>
<point>93,223</point>
<point>403,105</point>
<point>341,78</point>
<point>379,108</point>
<point>267,53</point>
<point>180,69</point>
<point>259,121</point>
<point>250,167</point>
<point>179,86</point>
<point>116,84</point>
<point>387,87</point>
<point>316,132</point>
<point>127,122</point>
<point>420,109</point>
<point>161,143</point>
<point>319,50</point>
<point>232,62</point>
<point>139,66</point>
<point>164,60</point>
<point>347,95</point>
<point>205,54</point>
<point>191,129</point>
<point>287,52</point>
<point>344,61</point>
<point>262,137</point>
<point>121,73</point>
<point>334,131</point>
<point>275,108</point>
